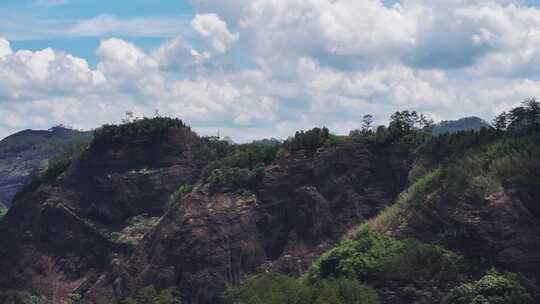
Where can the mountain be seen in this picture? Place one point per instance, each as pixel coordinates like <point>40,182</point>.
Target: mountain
<point>150,212</point>
<point>29,151</point>
<point>463,124</point>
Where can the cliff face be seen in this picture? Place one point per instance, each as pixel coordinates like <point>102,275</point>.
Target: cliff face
<point>63,232</point>
<point>303,205</point>
<point>103,224</point>
<point>28,151</point>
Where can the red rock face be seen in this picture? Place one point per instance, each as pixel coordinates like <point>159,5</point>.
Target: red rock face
<point>59,235</point>
<point>303,205</point>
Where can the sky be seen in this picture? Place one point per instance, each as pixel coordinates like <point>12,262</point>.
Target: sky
<point>263,68</point>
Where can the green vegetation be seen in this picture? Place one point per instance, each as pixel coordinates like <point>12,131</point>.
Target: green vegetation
<point>140,127</point>
<point>243,167</point>
<point>374,256</point>
<point>23,155</point>
<point>19,297</point>
<point>309,140</point>
<point>149,295</point>
<point>134,230</point>
<point>74,298</point>
<point>178,195</point>
<point>3,210</point>
<point>493,288</point>
<point>273,288</point>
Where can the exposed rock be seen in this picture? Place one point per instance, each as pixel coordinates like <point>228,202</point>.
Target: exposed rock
<point>303,205</point>
<point>61,234</point>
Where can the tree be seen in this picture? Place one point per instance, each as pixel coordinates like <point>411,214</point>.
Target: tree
<point>367,120</point>
<point>500,122</point>
<point>526,116</point>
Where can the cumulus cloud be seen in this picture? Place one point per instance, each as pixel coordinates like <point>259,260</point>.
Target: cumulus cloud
<point>215,30</point>
<point>27,74</point>
<point>5,48</point>
<point>270,67</point>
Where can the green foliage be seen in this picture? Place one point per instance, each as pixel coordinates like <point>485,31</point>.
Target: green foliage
<point>149,295</point>
<point>74,298</point>
<point>361,257</point>
<point>417,171</point>
<point>410,202</point>
<point>269,288</point>
<point>147,126</point>
<point>19,297</point>
<point>493,288</point>
<point>405,122</point>
<point>344,291</point>
<point>525,118</point>
<point>272,288</point>
<point>309,140</point>
<point>243,167</point>
<point>211,149</point>
<point>235,178</point>
<point>454,145</point>
<point>371,255</point>
<point>54,204</point>
<point>133,232</point>
<point>3,210</point>
<point>179,194</point>
<point>246,156</point>
<point>57,166</point>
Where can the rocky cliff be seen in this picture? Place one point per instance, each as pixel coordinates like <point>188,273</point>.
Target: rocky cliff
<point>65,228</point>
<point>303,205</point>
<point>138,209</point>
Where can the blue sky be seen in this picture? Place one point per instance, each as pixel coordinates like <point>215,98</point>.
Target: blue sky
<point>26,15</point>
<point>263,68</point>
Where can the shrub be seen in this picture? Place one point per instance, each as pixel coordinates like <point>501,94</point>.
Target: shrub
<point>360,257</point>
<point>3,210</point>
<point>273,288</point>
<point>269,288</point>
<point>412,200</point>
<point>19,297</point>
<point>344,291</point>
<point>149,295</point>
<point>179,195</point>
<point>235,178</point>
<point>74,298</point>
<point>374,256</point>
<point>493,288</point>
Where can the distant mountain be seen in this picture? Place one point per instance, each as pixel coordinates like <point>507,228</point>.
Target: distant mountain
<point>29,151</point>
<point>463,124</point>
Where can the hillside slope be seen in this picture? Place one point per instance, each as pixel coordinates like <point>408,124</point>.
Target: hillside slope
<point>28,151</point>
<point>66,226</point>
<point>149,212</point>
<point>472,123</point>
<point>301,207</point>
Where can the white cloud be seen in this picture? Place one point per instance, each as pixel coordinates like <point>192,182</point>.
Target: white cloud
<point>27,74</point>
<point>215,30</point>
<point>270,67</point>
<point>178,55</point>
<point>18,28</point>
<point>5,48</point>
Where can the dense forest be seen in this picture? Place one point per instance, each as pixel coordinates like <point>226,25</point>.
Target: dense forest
<point>392,214</point>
